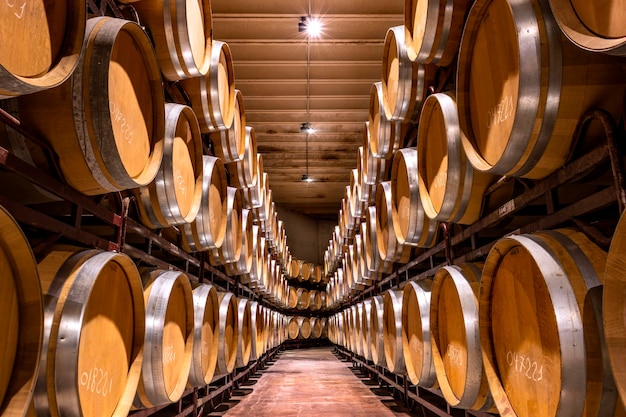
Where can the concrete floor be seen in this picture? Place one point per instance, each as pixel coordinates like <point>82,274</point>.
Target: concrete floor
<point>310,382</point>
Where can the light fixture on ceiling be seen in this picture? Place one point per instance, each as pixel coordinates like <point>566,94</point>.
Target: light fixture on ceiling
<point>306,128</point>
<point>312,26</point>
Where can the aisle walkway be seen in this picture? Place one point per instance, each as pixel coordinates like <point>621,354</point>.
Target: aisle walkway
<point>309,382</point>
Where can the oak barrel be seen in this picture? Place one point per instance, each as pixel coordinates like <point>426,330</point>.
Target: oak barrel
<point>455,337</point>
<point>168,346</point>
<point>182,32</point>
<point>243,264</point>
<point>244,173</point>
<point>175,195</point>
<point>205,335</point>
<point>533,335</point>
<point>230,250</point>
<point>229,144</point>
<point>213,96</point>
<point>384,135</point>
<point>409,223</point>
<point>304,298</point>
<point>614,306</point>
<point>450,189</point>
<point>244,336</point>
<point>106,123</point>
<point>433,29</point>
<point>208,229</point>
<point>304,326</point>
<point>366,337</point>
<point>41,44</point>
<point>404,83</point>
<point>518,108</point>
<point>389,247</point>
<point>392,331</point>
<point>416,344</point>
<point>94,328</point>
<point>21,318</point>
<point>317,327</point>
<point>228,333</point>
<point>593,26</point>
<point>373,261</point>
<point>257,325</point>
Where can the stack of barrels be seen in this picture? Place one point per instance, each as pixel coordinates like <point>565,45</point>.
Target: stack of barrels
<point>527,332</point>
<point>92,90</point>
<point>143,336</point>
<point>110,129</point>
<point>432,149</point>
<point>532,330</point>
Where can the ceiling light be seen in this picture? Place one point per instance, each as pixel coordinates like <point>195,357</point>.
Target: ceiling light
<point>306,178</point>
<point>312,26</point>
<point>306,128</point>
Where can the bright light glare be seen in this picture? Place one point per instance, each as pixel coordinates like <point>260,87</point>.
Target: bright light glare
<point>314,27</point>
<point>310,130</point>
<point>308,179</point>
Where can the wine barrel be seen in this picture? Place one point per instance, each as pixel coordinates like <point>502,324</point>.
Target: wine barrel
<point>230,250</point>
<point>175,195</point>
<point>168,347</point>
<point>433,30</point>
<point>257,327</point>
<point>404,83</point>
<point>229,144</point>
<point>106,124</point>
<point>451,189</point>
<point>304,299</point>
<point>255,277</point>
<point>315,300</point>
<point>455,337</point>
<point>244,173</point>
<point>255,195</point>
<point>316,327</point>
<point>392,331</point>
<point>374,169</point>
<point>385,135</point>
<point>366,338</point>
<point>213,96</point>
<point>357,323</point>
<point>21,318</point>
<point>93,336</point>
<point>182,33</point>
<point>243,264</point>
<point>316,275</point>
<point>614,307</point>
<point>416,344</point>
<point>228,333</point>
<point>409,223</point>
<point>304,326</point>
<point>244,336</point>
<point>518,109</point>
<point>373,259</point>
<point>208,229</point>
<point>293,297</point>
<point>292,328</point>
<point>41,45</point>
<point>205,335</point>
<point>533,291</point>
<point>390,249</point>
<point>596,27</point>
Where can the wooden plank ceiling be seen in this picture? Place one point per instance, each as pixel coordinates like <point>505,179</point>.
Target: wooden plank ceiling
<point>270,62</point>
